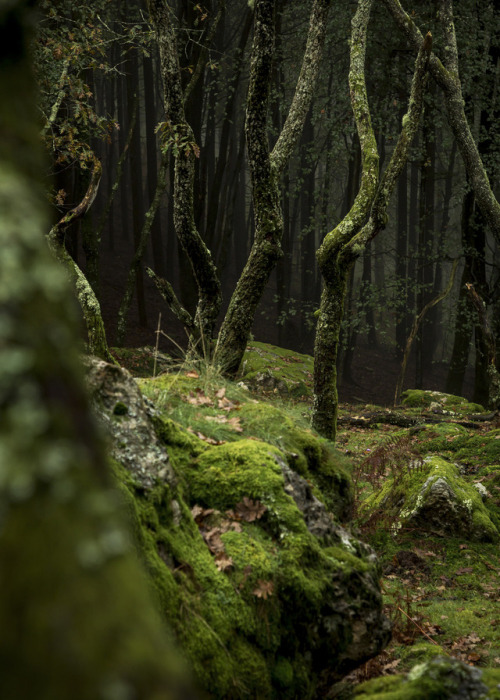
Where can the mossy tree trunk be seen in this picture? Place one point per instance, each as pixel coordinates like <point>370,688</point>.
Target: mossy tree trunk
<point>266,168</point>
<point>365,220</point>
<point>76,619</point>
<point>447,76</point>
<point>179,137</point>
<point>96,335</point>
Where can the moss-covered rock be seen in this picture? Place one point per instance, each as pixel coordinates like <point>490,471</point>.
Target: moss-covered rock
<point>441,678</point>
<point>437,400</point>
<point>266,602</point>
<point>268,368</point>
<point>434,497</point>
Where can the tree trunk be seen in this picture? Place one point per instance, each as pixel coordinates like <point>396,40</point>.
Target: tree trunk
<point>265,170</point>
<point>366,218</point>
<point>61,608</point>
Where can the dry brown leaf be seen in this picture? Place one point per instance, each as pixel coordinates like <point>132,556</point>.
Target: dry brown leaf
<point>192,374</point>
<point>221,393</point>
<point>249,510</point>
<point>235,424</point>
<point>264,589</point>
<point>213,540</point>
<point>223,562</point>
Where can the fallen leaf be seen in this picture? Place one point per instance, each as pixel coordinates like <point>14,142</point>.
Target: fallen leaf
<point>235,424</point>
<point>464,570</point>
<point>199,399</point>
<point>199,513</point>
<point>264,589</point>
<point>223,562</point>
<point>249,510</point>
<point>192,374</point>
<point>213,540</point>
<point>221,393</point>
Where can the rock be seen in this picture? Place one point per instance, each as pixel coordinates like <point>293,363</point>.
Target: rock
<point>437,401</point>
<point>439,678</point>
<point>281,602</point>
<point>267,368</point>
<point>435,498</point>
<point>127,420</point>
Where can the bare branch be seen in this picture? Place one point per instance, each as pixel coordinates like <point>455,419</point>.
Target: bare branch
<point>304,90</point>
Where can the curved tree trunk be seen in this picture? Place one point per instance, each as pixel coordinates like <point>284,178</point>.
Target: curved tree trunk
<point>365,220</point>
<point>179,136</point>
<point>96,334</point>
<point>266,169</point>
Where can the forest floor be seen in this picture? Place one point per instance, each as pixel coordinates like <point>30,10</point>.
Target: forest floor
<point>441,593</point>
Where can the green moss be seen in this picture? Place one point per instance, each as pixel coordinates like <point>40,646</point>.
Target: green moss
<point>422,651</point>
<point>402,499</point>
<point>437,679</point>
<point>120,409</point>
<point>482,449</point>
<point>312,457</point>
<point>272,368</point>
<point>282,673</point>
<point>416,398</point>
<point>491,677</point>
<point>221,478</point>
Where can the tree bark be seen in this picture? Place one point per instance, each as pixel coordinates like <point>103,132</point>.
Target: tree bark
<point>365,220</point>
<point>447,77</point>
<point>181,138</point>
<point>65,597</point>
<point>91,309</point>
<point>266,169</point>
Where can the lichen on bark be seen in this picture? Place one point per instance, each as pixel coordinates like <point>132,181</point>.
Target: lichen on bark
<point>76,617</point>
<point>265,169</point>
<point>365,220</point>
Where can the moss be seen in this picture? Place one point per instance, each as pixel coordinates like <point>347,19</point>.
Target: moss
<point>422,651</point>
<point>437,679</point>
<point>312,457</point>
<point>417,398</point>
<point>289,372</point>
<point>491,678</point>
<point>221,478</point>
<point>403,500</point>
<point>282,673</point>
<point>483,449</point>
<point>120,409</point>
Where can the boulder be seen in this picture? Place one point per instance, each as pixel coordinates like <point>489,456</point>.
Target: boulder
<point>434,497</point>
<point>267,595</point>
<point>440,678</point>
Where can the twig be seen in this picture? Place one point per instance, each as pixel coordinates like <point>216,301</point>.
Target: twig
<point>416,625</point>
<point>416,325</point>
<point>158,331</point>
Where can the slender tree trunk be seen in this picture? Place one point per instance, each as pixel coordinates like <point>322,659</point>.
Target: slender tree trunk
<point>266,169</point>
<point>365,220</point>
<point>185,150</point>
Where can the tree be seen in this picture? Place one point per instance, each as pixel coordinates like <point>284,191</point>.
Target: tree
<point>75,613</point>
<point>266,168</point>
<point>365,220</point>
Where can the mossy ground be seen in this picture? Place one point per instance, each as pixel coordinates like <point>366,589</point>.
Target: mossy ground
<point>446,601</point>
<point>451,593</point>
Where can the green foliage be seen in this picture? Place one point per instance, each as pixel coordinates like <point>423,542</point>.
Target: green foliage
<point>176,138</point>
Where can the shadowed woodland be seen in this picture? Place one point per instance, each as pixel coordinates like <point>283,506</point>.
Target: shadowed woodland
<point>282,218</point>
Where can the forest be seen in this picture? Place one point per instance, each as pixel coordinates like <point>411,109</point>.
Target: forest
<point>249,323</point>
